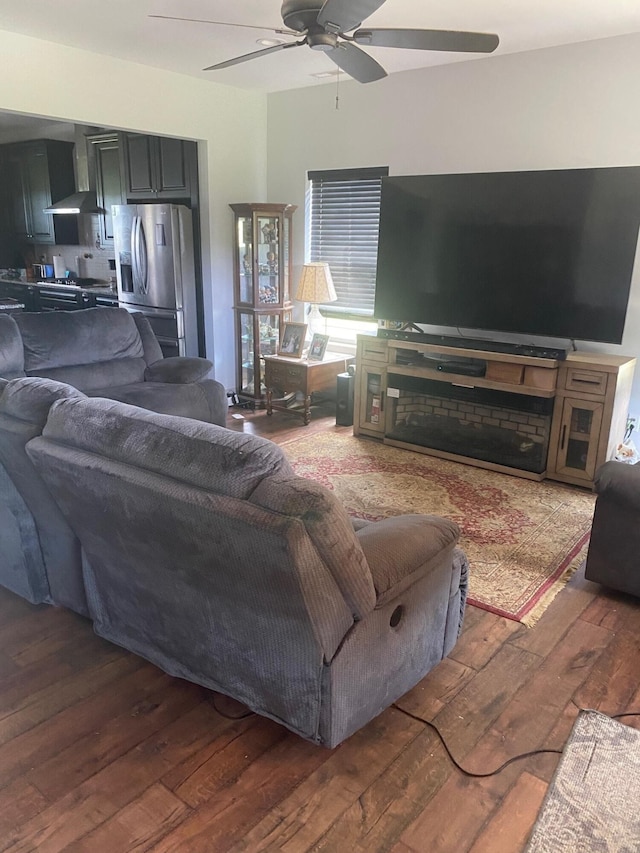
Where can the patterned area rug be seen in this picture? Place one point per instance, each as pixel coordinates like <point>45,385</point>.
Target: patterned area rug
<point>524,539</point>
<point>592,802</point>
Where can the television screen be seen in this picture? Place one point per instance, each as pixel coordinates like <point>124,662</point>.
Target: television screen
<point>547,253</point>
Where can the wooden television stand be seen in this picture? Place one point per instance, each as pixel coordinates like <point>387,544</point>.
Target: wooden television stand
<point>520,414</point>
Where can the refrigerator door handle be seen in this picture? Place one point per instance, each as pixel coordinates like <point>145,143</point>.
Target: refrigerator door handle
<point>134,253</point>
<point>144,261</point>
<point>139,255</point>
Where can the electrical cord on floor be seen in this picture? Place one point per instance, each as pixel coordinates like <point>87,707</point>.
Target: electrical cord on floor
<point>613,716</point>
<point>230,716</point>
<point>444,743</point>
<point>510,760</point>
<point>459,766</point>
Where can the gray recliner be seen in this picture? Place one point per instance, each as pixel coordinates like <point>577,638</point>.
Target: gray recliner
<point>208,556</point>
<point>110,352</point>
<point>40,556</point>
<point>612,559</point>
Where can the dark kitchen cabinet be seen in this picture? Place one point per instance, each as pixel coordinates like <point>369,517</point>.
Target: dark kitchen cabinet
<point>7,249</point>
<point>39,173</point>
<point>104,153</point>
<point>158,168</point>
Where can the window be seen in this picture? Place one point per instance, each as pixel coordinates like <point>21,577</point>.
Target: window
<point>344,216</point>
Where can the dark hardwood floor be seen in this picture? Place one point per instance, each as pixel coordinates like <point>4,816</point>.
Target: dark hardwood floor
<point>103,753</point>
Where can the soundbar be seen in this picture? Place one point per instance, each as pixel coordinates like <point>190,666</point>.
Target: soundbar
<point>558,353</point>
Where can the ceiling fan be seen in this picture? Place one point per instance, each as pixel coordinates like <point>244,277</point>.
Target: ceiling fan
<point>325,27</point>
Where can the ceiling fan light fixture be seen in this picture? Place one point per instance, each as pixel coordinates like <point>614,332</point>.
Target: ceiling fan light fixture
<point>318,39</point>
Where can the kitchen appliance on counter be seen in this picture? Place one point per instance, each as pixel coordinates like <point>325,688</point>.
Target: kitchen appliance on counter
<point>42,270</point>
<point>155,269</point>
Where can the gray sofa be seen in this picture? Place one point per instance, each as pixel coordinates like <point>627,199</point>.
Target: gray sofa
<point>40,557</point>
<point>110,352</point>
<point>207,555</point>
<point>612,559</point>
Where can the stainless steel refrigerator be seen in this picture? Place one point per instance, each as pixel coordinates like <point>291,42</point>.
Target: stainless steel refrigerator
<point>155,268</point>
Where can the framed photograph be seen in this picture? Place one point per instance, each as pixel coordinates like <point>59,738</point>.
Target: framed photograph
<point>292,340</point>
<point>318,347</point>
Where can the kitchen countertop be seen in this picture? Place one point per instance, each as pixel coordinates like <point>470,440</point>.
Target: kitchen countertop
<point>102,291</point>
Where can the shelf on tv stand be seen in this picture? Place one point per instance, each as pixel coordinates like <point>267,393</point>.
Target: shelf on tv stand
<point>468,381</point>
<point>536,378</point>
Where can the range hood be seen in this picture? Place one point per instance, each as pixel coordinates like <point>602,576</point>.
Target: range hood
<point>84,199</point>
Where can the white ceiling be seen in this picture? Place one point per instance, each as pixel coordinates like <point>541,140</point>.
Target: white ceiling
<point>122,28</point>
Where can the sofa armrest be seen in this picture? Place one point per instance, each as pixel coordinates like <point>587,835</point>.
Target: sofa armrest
<point>401,549</point>
<point>620,482</point>
<point>179,370</point>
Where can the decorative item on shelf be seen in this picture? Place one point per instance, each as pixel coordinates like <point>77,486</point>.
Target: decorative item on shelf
<point>318,347</point>
<point>267,293</point>
<point>268,339</point>
<point>292,341</point>
<point>316,287</point>
<point>269,232</point>
<point>272,263</point>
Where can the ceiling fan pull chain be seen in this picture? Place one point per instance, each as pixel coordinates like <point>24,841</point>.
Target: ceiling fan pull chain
<point>338,90</point>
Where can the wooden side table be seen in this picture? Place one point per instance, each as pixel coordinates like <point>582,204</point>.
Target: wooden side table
<point>294,374</point>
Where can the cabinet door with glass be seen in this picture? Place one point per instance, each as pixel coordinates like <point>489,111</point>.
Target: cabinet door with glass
<point>580,429</point>
<point>258,334</point>
<point>262,276</point>
<point>371,390</point>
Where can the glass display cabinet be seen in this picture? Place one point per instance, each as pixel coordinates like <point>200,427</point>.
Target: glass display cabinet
<point>262,299</point>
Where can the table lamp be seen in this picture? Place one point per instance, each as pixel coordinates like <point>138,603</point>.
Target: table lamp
<point>316,287</point>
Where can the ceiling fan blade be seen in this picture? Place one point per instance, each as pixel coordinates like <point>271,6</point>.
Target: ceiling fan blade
<point>356,63</point>
<point>453,40</point>
<point>247,56</point>
<point>340,16</point>
<point>222,24</point>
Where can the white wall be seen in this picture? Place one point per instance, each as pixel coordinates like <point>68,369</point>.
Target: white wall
<point>564,107</point>
<point>52,81</point>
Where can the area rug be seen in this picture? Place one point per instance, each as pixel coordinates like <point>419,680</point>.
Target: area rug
<point>524,539</point>
<point>591,805</point>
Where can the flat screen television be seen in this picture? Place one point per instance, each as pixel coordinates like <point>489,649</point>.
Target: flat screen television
<point>545,253</point>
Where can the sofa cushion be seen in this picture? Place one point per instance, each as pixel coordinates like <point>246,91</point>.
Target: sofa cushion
<point>398,548</point>
<point>181,369</point>
<point>193,400</point>
<point>46,553</point>
<point>11,351</point>
<point>97,376</point>
<point>329,528</point>
<point>29,399</point>
<point>620,482</point>
<point>60,339</point>
<point>152,349</point>
<point>189,451</point>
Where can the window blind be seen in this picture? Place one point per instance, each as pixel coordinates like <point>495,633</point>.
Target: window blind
<point>344,216</point>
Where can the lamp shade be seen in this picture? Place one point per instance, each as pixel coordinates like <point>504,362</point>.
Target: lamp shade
<point>316,284</point>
